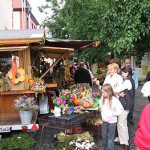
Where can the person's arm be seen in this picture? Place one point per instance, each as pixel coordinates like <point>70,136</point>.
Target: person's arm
<point>125,85</point>
<point>135,80</point>
<point>98,84</point>
<point>100,104</point>
<point>89,78</point>
<point>147,77</point>
<point>118,108</point>
<point>75,77</point>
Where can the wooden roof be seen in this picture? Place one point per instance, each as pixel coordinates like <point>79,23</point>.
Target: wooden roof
<point>35,38</point>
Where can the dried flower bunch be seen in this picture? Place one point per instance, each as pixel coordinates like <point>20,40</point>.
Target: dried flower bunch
<point>25,103</point>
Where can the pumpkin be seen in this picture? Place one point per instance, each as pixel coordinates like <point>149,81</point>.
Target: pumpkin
<point>76,102</point>
<point>86,105</point>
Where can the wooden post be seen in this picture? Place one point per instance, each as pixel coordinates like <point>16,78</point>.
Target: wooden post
<point>27,60</point>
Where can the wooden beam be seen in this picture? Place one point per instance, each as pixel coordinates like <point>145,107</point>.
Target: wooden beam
<point>16,48</point>
<point>54,64</point>
<point>52,48</point>
<point>20,41</point>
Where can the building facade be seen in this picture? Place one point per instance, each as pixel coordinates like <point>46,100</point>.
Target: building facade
<point>6,11</point>
<point>17,14</point>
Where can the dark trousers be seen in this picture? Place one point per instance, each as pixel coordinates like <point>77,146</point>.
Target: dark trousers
<point>149,98</point>
<point>108,134</point>
<point>130,114</point>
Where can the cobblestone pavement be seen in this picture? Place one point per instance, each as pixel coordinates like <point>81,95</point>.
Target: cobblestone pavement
<point>49,143</point>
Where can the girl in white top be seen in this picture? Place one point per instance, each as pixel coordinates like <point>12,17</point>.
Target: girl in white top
<point>110,108</point>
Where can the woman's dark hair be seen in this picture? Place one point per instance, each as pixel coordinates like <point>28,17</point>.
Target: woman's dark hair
<point>127,69</point>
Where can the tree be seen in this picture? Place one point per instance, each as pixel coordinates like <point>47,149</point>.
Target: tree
<point>119,25</point>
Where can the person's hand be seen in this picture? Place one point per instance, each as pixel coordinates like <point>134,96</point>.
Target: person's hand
<point>98,83</point>
<point>99,108</point>
<point>121,94</point>
<point>116,84</point>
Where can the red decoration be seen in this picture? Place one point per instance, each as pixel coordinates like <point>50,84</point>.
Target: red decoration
<point>13,70</point>
<point>34,127</point>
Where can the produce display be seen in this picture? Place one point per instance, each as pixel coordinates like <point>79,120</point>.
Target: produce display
<point>76,99</point>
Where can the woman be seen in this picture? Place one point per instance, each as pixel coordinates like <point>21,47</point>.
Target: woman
<point>113,78</point>
<point>128,87</point>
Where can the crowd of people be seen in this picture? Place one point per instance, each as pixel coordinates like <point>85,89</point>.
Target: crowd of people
<point>117,104</point>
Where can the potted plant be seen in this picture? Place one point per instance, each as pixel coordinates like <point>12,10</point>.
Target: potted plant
<point>25,105</point>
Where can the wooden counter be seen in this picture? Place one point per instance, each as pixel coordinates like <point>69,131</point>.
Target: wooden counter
<point>50,85</point>
<point>7,110</point>
<point>17,92</point>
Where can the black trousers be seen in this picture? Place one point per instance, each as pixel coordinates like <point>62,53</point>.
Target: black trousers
<point>149,98</point>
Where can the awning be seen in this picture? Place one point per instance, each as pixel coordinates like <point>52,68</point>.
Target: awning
<point>54,48</point>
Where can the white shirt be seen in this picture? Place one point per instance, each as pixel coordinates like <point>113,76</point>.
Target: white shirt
<point>125,85</point>
<point>145,89</point>
<point>116,79</point>
<point>110,115</point>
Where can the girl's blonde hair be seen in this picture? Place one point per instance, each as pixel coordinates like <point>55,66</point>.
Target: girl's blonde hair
<point>113,65</point>
<point>109,90</point>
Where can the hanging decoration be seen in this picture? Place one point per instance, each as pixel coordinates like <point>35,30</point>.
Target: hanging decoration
<point>13,70</point>
<point>19,75</point>
<point>67,72</point>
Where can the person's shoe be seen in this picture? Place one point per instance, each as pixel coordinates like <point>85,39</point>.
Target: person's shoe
<point>126,147</point>
<point>117,142</point>
<point>131,122</point>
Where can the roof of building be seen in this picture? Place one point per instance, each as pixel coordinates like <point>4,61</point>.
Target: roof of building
<point>25,36</point>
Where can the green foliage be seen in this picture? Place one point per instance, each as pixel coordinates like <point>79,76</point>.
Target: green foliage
<point>119,25</point>
<point>22,140</point>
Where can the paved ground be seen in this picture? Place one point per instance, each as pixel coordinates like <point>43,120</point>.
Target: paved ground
<point>49,143</point>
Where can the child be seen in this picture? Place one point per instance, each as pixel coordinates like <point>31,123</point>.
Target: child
<point>110,108</point>
<point>127,101</point>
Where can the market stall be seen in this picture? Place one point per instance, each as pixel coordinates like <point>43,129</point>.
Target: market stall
<point>22,56</point>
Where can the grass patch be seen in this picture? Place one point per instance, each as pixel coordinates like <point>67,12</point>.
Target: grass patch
<point>21,140</point>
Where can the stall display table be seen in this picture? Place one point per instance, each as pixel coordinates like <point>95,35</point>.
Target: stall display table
<point>63,122</point>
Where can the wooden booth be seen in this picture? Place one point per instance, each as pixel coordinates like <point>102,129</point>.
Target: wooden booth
<point>25,49</point>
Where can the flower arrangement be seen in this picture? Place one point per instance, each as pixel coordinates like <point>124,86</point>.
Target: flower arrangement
<point>75,96</point>
<point>37,85</point>
<point>63,99</point>
<point>25,103</point>
<point>80,144</point>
